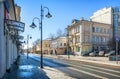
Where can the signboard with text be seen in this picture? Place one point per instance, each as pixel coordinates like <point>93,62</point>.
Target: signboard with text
<point>12,24</point>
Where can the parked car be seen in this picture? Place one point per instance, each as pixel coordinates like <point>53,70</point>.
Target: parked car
<point>85,54</point>
<point>110,53</point>
<point>101,53</point>
<point>95,53</point>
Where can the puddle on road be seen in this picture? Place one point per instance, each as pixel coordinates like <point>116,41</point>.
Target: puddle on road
<point>28,67</point>
<point>26,70</point>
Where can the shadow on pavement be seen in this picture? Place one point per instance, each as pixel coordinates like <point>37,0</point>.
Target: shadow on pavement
<point>26,69</point>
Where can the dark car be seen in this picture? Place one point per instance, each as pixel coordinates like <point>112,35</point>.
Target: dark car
<point>85,54</point>
<point>110,53</point>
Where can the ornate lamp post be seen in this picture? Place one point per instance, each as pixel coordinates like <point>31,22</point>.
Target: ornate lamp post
<point>28,37</point>
<point>68,52</point>
<point>40,27</point>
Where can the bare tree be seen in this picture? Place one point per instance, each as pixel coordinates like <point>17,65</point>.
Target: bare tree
<point>35,43</point>
<point>64,33</point>
<point>60,33</point>
<point>52,36</point>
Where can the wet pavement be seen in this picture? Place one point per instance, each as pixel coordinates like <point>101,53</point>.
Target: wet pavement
<point>26,69</point>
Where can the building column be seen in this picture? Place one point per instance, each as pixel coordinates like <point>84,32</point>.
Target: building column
<point>15,51</point>
<point>2,42</point>
<point>8,53</point>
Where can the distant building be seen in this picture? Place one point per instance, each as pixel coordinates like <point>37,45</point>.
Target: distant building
<point>110,15</point>
<point>85,36</point>
<point>46,46</point>
<point>18,10</point>
<point>103,15</point>
<point>58,46</point>
<point>36,47</point>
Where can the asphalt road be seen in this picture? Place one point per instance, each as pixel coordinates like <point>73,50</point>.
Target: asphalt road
<point>82,70</point>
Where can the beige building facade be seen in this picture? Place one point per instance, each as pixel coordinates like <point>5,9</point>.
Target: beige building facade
<point>85,36</point>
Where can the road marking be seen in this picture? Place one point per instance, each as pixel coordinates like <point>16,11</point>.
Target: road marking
<point>103,68</point>
<point>88,73</point>
<point>102,72</point>
<point>111,70</point>
<point>96,70</point>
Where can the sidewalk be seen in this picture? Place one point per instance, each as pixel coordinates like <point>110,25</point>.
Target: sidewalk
<point>29,69</point>
<point>99,60</point>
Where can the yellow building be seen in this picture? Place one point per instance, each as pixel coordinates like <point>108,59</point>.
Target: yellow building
<point>84,36</point>
<point>46,46</point>
<point>17,10</point>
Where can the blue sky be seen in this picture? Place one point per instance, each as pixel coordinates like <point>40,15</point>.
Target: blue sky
<point>63,11</point>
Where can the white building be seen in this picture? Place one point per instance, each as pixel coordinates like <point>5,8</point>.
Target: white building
<point>58,45</point>
<point>108,16</point>
<point>103,15</point>
<point>9,40</point>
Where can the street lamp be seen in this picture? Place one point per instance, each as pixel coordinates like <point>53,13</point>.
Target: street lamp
<point>28,37</point>
<point>40,27</point>
<point>68,45</point>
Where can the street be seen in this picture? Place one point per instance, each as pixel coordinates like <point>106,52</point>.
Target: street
<point>81,70</point>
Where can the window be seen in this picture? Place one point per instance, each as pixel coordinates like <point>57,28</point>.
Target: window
<point>103,39</point>
<point>77,49</point>
<point>64,44</point>
<point>100,30</point>
<point>77,39</point>
<point>107,39</point>
<point>97,29</point>
<point>77,29</point>
<point>70,31</point>
<point>45,45</point>
<point>93,39</point>
<point>104,30</point>
<point>60,44</point>
<point>86,39</point>
<point>108,31</point>
<point>97,39</point>
<point>93,29</point>
<point>100,39</point>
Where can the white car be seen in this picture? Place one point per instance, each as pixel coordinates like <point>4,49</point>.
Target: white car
<point>101,53</point>
<point>93,53</point>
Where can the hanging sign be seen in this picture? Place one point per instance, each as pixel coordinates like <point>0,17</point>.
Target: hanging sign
<point>12,24</point>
